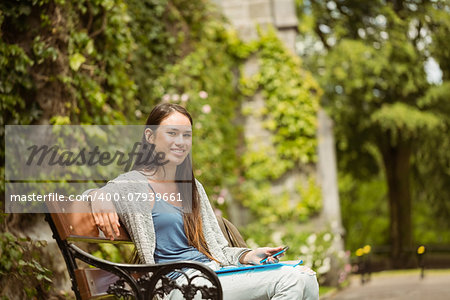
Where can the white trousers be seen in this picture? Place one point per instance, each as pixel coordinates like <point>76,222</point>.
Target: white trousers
<point>285,283</point>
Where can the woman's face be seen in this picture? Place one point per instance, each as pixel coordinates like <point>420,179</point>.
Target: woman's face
<point>173,137</point>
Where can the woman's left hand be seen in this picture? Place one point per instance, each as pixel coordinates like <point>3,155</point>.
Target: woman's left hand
<point>255,256</point>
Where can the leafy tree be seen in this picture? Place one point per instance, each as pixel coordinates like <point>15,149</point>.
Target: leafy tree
<point>165,32</point>
<point>371,58</point>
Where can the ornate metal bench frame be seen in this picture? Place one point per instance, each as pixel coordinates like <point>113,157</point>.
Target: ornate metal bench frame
<point>140,281</point>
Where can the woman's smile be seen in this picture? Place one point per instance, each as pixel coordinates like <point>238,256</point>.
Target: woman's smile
<point>178,151</point>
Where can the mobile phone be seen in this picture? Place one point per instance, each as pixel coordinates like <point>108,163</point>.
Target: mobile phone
<point>275,255</point>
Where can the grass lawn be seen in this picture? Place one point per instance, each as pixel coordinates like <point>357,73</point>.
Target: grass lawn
<point>325,289</point>
<point>412,271</point>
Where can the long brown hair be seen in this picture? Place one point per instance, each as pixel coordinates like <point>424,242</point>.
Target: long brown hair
<point>191,217</point>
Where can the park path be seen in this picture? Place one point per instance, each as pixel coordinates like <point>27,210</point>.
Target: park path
<point>435,286</point>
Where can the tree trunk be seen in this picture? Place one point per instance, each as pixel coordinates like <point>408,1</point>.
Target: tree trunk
<point>397,167</point>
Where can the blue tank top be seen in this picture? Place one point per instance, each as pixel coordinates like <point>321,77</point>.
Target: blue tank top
<point>171,240</point>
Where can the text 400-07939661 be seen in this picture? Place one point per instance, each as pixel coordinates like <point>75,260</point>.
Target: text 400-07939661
<point>144,197</point>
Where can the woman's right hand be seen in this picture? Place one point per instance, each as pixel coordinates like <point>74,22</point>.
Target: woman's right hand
<point>254,257</point>
<point>105,216</point>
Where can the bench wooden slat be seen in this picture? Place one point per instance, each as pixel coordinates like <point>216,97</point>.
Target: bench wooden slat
<point>93,283</point>
<point>80,225</point>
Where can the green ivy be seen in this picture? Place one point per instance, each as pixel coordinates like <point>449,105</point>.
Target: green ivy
<point>165,33</point>
<point>19,265</point>
<point>78,60</point>
<point>203,82</point>
<point>291,97</point>
<point>100,63</point>
<point>311,199</point>
<point>14,64</point>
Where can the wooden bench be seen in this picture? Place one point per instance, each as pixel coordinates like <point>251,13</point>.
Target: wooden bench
<point>138,281</point>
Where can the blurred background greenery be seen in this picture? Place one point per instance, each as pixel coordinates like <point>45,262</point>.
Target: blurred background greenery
<point>383,66</point>
<point>379,68</point>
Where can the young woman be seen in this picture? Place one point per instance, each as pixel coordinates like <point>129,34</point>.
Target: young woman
<point>178,223</point>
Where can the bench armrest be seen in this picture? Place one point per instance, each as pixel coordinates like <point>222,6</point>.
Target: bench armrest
<point>144,281</point>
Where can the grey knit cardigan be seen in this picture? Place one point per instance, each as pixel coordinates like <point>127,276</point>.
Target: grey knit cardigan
<point>137,218</point>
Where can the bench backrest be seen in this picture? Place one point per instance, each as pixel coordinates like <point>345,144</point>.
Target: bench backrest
<point>80,226</point>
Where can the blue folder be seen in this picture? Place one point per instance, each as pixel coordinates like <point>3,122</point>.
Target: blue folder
<point>234,269</point>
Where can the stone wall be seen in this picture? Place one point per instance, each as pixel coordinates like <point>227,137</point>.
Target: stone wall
<point>245,15</point>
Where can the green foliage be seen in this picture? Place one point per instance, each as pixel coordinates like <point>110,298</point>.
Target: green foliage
<point>368,83</point>
<point>430,221</point>
<point>364,211</point>
<point>78,60</point>
<point>291,102</point>
<point>20,266</point>
<point>311,199</point>
<point>271,209</point>
<point>99,59</point>
<point>165,32</point>
<point>402,118</point>
<point>64,62</point>
<point>114,253</point>
<point>284,86</point>
<point>316,249</point>
<point>370,60</point>
<point>438,18</point>
<point>203,82</point>
<point>430,213</point>
<point>435,100</point>
<point>14,64</point>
